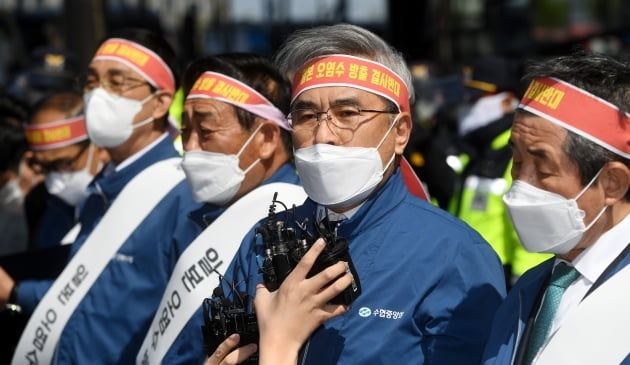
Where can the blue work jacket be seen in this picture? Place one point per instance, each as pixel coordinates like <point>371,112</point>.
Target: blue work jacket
<point>108,325</point>
<point>188,346</point>
<point>430,285</point>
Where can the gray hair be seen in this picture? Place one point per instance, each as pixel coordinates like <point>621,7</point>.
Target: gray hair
<point>304,45</point>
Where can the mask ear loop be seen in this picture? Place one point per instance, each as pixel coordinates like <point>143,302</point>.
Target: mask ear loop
<point>88,164</point>
<point>601,212</point>
<point>149,119</point>
<point>149,97</point>
<point>144,122</point>
<point>589,184</point>
<point>238,154</point>
<point>391,126</point>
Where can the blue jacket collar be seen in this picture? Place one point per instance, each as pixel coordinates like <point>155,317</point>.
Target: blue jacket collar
<point>386,198</point>
<point>109,186</point>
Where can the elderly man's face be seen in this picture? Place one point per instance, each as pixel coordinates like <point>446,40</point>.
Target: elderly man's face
<point>369,131</point>
<point>119,79</point>
<point>213,126</point>
<point>539,160</point>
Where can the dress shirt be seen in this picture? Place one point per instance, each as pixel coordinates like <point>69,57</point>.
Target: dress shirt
<point>591,264</point>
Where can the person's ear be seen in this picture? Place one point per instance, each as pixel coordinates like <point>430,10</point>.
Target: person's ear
<point>268,139</point>
<point>402,131</point>
<point>615,181</point>
<point>163,103</point>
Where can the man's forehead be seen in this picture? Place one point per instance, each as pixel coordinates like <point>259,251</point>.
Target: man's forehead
<point>57,153</point>
<point>205,104</point>
<point>535,123</point>
<point>47,116</point>
<point>332,95</point>
<point>103,67</point>
<point>220,112</point>
<point>531,131</point>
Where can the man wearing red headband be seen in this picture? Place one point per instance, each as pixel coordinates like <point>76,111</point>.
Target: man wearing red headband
<point>100,306</point>
<point>430,284</point>
<point>62,152</point>
<point>570,196</point>
<point>237,156</point>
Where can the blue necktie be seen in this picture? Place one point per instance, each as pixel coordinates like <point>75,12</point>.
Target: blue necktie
<point>563,275</point>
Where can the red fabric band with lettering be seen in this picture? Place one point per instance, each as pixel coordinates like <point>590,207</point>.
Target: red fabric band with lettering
<point>350,71</point>
<point>580,112</point>
<point>57,134</point>
<point>221,87</point>
<point>141,59</point>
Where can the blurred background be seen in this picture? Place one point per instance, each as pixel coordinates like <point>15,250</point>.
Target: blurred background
<point>442,35</point>
<point>46,44</point>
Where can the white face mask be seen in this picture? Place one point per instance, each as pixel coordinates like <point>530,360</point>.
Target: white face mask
<point>71,186</point>
<point>109,117</point>
<point>545,221</point>
<point>340,177</point>
<point>215,177</point>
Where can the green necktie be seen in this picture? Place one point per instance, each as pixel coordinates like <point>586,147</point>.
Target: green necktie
<point>563,275</point>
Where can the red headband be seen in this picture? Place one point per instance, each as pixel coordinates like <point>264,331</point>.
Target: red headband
<point>350,71</point>
<point>141,59</point>
<point>57,134</point>
<point>580,112</point>
<point>226,89</point>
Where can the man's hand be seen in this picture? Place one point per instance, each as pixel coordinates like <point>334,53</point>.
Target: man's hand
<point>224,355</point>
<point>288,316</point>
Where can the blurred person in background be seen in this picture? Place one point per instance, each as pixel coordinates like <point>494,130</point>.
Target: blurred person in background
<point>492,89</point>
<point>433,141</point>
<point>13,186</point>
<point>51,69</point>
<point>63,153</point>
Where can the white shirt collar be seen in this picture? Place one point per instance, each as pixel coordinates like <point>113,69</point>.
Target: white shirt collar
<point>594,260</point>
<point>131,159</point>
<point>322,212</point>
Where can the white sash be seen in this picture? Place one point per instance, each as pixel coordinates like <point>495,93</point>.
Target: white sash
<point>133,204</point>
<point>597,331</point>
<point>193,278</point>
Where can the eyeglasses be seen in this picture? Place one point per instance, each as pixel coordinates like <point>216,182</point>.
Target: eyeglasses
<point>342,120</point>
<point>115,82</point>
<point>58,165</point>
